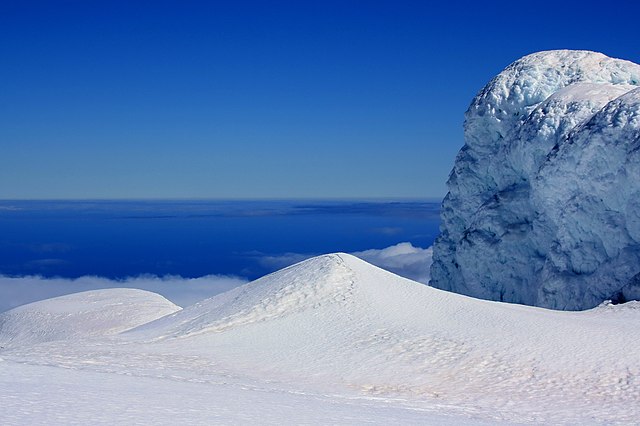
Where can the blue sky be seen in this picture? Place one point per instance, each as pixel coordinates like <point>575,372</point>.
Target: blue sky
<point>271,99</point>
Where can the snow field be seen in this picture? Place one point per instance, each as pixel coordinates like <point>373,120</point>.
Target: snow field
<point>335,334</point>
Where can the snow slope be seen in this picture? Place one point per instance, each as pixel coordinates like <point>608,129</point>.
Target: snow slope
<point>542,206</point>
<point>341,338</point>
<point>81,315</point>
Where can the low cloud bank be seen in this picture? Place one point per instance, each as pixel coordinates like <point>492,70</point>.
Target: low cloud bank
<point>403,259</point>
<point>16,291</point>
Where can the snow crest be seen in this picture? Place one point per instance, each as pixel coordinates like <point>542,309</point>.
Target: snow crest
<point>329,331</point>
<point>81,315</point>
<point>544,198</point>
<point>304,286</point>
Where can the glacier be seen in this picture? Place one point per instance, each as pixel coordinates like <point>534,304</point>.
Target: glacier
<point>543,205</point>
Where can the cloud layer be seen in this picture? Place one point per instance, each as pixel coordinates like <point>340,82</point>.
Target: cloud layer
<point>403,259</point>
<point>16,291</point>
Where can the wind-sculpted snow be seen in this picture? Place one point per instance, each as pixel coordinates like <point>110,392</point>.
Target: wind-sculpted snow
<point>343,342</point>
<point>81,315</point>
<point>543,203</point>
<point>325,280</point>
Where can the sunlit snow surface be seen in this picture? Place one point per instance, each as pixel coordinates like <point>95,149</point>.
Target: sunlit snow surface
<point>331,340</point>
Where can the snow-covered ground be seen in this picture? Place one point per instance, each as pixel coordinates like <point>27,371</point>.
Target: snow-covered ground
<point>331,340</point>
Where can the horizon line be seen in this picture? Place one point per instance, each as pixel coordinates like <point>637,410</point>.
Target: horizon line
<point>224,199</point>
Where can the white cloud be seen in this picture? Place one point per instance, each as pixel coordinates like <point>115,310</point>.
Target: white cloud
<point>16,291</point>
<point>403,259</point>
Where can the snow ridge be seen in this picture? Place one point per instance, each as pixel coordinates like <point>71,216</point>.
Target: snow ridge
<point>325,280</point>
<point>330,331</point>
<point>543,206</point>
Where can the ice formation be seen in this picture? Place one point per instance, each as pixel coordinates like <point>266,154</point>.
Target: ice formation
<point>544,198</point>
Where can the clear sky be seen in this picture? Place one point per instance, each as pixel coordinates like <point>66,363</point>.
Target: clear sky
<point>261,99</point>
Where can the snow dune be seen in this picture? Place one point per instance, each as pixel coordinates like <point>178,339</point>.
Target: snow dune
<point>335,331</point>
<point>81,315</point>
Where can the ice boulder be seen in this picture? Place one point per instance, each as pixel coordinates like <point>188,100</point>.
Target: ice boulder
<point>544,197</point>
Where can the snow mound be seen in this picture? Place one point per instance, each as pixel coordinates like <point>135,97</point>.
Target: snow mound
<point>543,203</point>
<point>308,285</point>
<point>335,328</point>
<point>86,314</point>
<point>336,321</point>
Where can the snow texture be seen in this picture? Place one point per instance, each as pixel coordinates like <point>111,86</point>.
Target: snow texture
<point>81,315</point>
<point>331,340</point>
<point>544,198</point>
